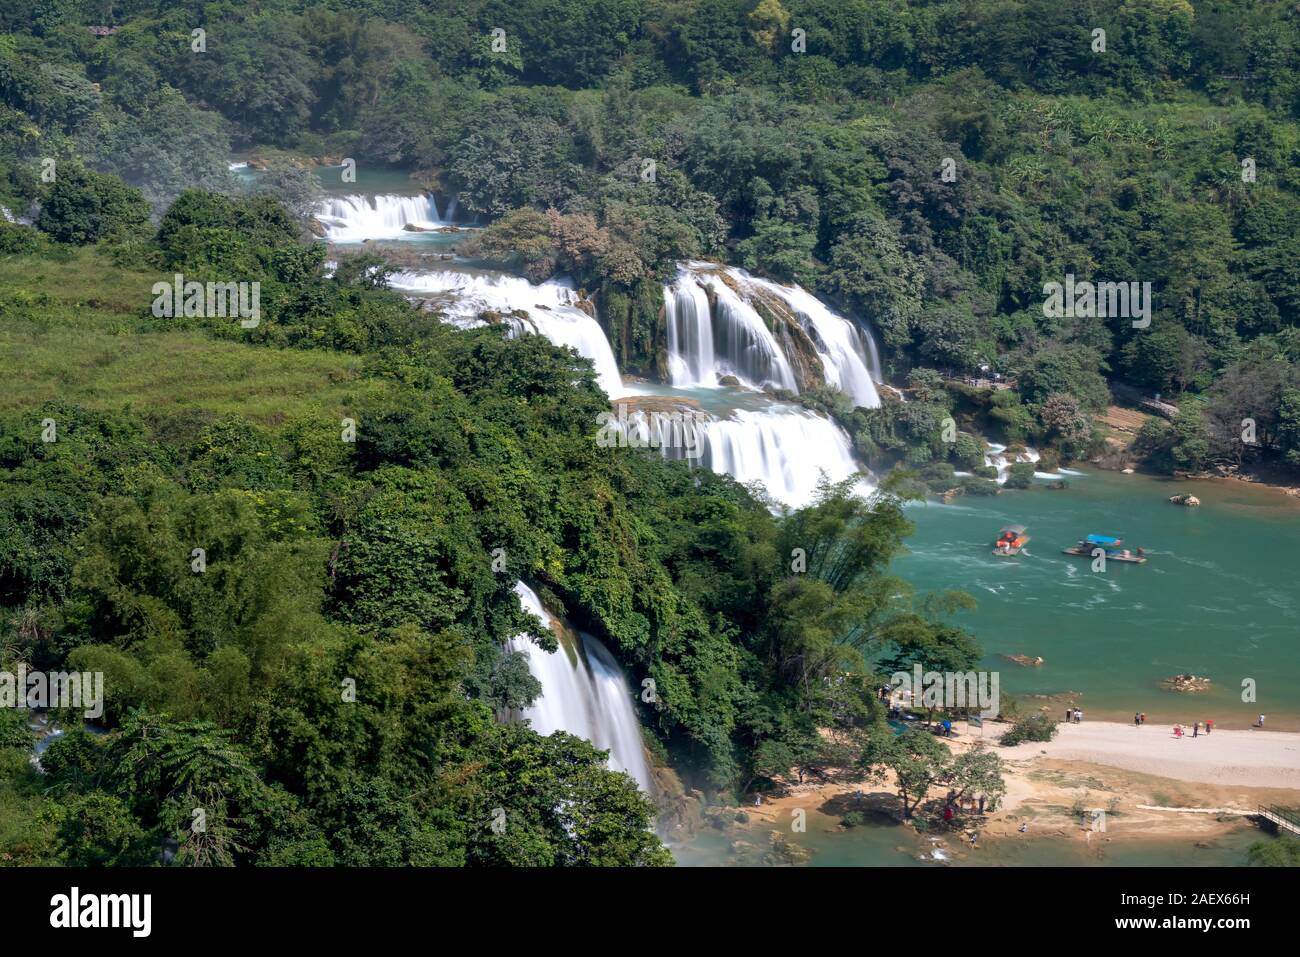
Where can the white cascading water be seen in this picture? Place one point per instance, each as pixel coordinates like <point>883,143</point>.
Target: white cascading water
<point>354,219</point>
<point>689,322</point>
<point>551,308</point>
<point>786,448</point>
<point>997,458</point>
<point>838,342</point>
<point>584,693</point>
<point>705,345</point>
<point>733,342</point>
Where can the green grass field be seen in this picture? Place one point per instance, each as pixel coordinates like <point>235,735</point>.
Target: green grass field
<point>76,330</point>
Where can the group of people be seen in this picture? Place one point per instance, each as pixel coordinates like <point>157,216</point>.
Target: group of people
<point>1073,716</point>
<point>1196,729</point>
<point>965,802</point>
<point>1140,718</point>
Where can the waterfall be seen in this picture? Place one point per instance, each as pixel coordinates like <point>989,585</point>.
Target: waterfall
<point>997,458</point>
<point>838,342</point>
<point>786,449</point>
<point>732,338</point>
<point>355,218</point>
<point>550,309</point>
<point>584,693</point>
<point>690,333</point>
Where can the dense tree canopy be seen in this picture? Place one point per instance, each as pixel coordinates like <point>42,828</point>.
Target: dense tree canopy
<point>334,687</point>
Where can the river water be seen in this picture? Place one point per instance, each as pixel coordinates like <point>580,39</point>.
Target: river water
<point>1219,595</point>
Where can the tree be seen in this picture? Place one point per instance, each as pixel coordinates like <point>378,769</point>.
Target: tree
<point>976,771</point>
<point>97,830</point>
<point>85,207</point>
<point>768,24</point>
<point>553,801</point>
<point>163,146</point>
<point>1066,424</point>
<point>917,759</point>
<point>916,639</point>
<point>1243,413</point>
<point>258,75</point>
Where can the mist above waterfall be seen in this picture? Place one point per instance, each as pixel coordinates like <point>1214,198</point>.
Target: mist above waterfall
<point>583,692</point>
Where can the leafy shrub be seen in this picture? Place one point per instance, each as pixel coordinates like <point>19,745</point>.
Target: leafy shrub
<point>978,486</point>
<point>1035,727</point>
<point>1021,475</point>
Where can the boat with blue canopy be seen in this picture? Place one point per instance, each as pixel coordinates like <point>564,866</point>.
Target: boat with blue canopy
<point>1110,546</point>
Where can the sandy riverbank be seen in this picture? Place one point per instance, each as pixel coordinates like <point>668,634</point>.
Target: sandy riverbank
<point>1254,758</point>
<point>1151,786</point>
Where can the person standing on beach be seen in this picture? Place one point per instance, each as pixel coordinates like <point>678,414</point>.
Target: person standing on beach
<point>1137,719</point>
<point>1261,721</point>
<point>1144,717</point>
<point>1209,725</point>
<point>1196,729</point>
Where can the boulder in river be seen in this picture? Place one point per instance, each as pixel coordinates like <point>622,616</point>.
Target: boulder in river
<point>1191,501</point>
<point>1188,683</point>
<point>1025,660</point>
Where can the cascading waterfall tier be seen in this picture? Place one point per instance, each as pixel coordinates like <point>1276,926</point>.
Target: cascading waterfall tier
<point>583,692</point>
<point>715,329</point>
<point>725,337</point>
<point>356,218</point>
<point>995,456</point>
<point>784,447</point>
<point>550,309</point>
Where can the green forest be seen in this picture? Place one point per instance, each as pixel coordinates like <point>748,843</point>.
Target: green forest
<point>333,687</point>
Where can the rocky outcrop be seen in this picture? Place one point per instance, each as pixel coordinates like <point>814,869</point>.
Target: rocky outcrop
<point>1024,660</point>
<point>1188,683</point>
<point>681,810</point>
<point>1190,501</point>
